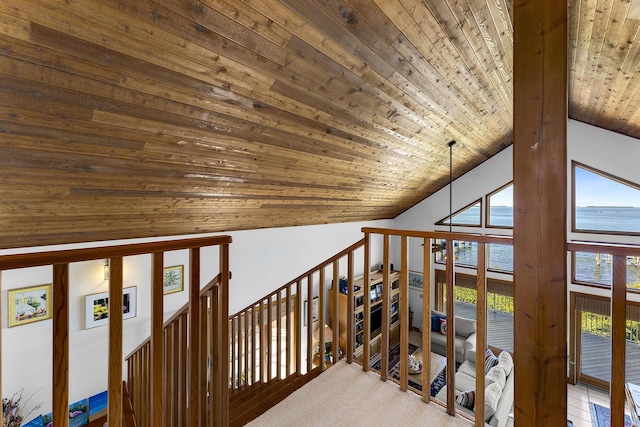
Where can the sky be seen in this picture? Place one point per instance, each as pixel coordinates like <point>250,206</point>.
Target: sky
<point>591,190</point>
<point>595,190</point>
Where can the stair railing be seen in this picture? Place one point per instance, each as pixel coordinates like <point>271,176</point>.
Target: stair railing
<point>270,339</point>
<point>60,260</point>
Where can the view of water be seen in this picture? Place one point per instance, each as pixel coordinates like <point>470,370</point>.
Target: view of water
<point>599,218</point>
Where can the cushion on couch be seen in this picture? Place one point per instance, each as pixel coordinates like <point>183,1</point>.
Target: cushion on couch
<point>464,326</point>
<point>492,394</point>
<point>443,326</point>
<point>505,361</point>
<point>496,375</point>
<point>435,320</point>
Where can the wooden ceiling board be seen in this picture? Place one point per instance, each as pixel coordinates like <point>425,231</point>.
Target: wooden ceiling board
<point>122,119</point>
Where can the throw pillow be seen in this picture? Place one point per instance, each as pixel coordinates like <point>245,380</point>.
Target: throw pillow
<point>435,322</point>
<point>506,362</point>
<point>467,399</point>
<point>443,326</point>
<point>465,327</point>
<point>496,375</point>
<point>490,360</point>
<point>492,394</point>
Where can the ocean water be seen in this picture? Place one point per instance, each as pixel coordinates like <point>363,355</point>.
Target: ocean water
<point>597,218</point>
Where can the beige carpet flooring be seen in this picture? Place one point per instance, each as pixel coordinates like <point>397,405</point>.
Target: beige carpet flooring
<point>344,395</point>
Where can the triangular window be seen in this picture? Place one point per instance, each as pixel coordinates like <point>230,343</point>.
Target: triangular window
<point>469,216</point>
<point>604,203</point>
<point>500,207</point>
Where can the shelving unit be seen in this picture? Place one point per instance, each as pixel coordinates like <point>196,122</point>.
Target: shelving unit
<point>374,293</point>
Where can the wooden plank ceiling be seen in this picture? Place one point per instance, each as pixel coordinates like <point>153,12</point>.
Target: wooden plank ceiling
<point>137,118</point>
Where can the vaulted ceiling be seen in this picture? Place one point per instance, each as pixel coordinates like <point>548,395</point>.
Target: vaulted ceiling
<point>134,118</point>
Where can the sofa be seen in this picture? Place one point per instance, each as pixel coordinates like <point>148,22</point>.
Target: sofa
<point>465,336</point>
<point>499,391</point>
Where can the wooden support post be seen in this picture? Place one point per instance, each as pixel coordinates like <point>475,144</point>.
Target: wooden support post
<point>157,338</point>
<point>481,330</point>
<point>404,312</point>
<point>61,345</point>
<point>426,316</point>
<point>114,412</point>
<point>194,337</point>
<point>451,349</point>
<point>540,209</point>
<point>618,339</point>
<point>335,324</point>
<point>224,332</point>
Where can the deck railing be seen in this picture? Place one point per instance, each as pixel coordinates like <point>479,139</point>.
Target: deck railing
<point>155,350</point>
<point>619,291</point>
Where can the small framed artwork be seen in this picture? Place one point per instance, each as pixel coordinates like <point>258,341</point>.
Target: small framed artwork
<point>173,279</point>
<point>314,311</point>
<point>97,307</point>
<point>31,304</point>
<point>416,280</point>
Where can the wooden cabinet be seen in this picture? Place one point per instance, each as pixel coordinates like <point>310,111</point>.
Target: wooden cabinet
<point>374,293</point>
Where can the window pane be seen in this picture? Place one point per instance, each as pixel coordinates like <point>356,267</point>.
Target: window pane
<point>501,208</point>
<point>501,258</point>
<point>604,204</point>
<point>469,216</point>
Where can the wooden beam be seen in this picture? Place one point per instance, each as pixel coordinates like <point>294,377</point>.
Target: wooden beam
<point>618,339</point>
<point>540,209</point>
<point>61,345</point>
<point>114,413</point>
<point>157,338</point>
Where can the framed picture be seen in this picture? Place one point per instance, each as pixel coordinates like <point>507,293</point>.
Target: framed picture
<point>31,304</point>
<point>416,280</point>
<point>97,307</point>
<point>314,310</point>
<point>173,279</point>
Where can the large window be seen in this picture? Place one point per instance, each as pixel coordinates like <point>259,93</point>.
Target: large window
<point>500,207</point>
<point>604,203</point>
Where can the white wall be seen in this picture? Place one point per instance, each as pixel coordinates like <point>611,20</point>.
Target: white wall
<point>260,260</point>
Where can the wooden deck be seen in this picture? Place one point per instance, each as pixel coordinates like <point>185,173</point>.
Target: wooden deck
<point>596,350</point>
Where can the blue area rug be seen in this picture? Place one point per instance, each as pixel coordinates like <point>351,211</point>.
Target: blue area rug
<point>600,416</point>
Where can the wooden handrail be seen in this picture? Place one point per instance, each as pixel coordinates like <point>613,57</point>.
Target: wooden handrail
<point>35,259</point>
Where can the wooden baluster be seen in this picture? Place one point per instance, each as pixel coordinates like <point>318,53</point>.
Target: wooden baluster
<point>194,337</point>
<point>335,325</point>
<point>426,317</point>
<point>156,342</point>
<point>386,324</point>
<point>215,347</point>
<point>233,353</point>
<point>60,400</point>
<point>451,350</point>
<point>404,312</point>
<point>481,331</point>
<point>254,329</point>
<point>350,308</point>
<point>321,320</point>
<point>203,360</point>
<point>269,338</point>
<point>298,310</point>
<point>184,356</point>
<point>366,356</point>
<point>245,354</point>
<point>618,339</point>
<point>309,322</point>
<point>289,342</point>
<point>263,344</point>
<point>114,411</point>
<point>279,335</point>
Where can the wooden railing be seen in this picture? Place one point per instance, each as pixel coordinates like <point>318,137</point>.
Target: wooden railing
<point>618,318</point>
<point>481,311</point>
<point>154,413</point>
<point>267,342</point>
<point>176,362</point>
